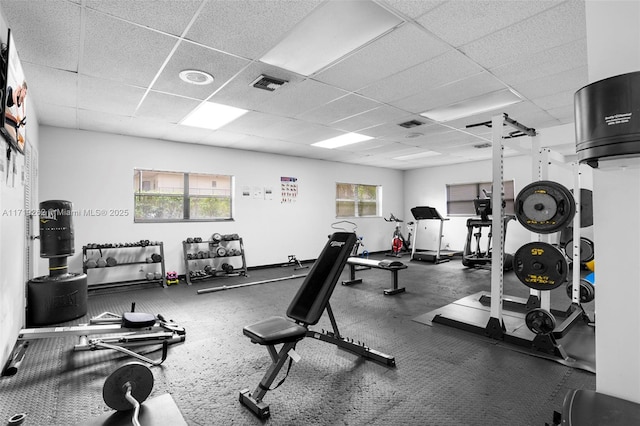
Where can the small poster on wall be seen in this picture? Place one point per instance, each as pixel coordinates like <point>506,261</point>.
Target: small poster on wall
<point>289,189</point>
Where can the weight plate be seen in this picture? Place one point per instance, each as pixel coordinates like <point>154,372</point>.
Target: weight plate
<point>586,249</point>
<point>540,266</point>
<point>587,291</point>
<point>137,375</point>
<point>216,237</point>
<point>540,321</point>
<point>545,207</point>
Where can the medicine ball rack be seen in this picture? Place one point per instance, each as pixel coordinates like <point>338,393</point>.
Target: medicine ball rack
<point>108,254</point>
<point>215,261</point>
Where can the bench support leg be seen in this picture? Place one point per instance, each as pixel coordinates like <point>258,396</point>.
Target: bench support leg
<point>253,400</point>
<point>395,289</point>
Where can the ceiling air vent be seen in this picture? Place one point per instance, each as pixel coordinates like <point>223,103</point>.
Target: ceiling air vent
<point>482,145</point>
<point>411,123</point>
<point>268,83</point>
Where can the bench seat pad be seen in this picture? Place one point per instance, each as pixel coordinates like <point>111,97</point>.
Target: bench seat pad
<point>274,330</point>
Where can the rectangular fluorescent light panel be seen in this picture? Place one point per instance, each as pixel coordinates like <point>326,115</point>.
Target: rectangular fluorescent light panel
<point>331,31</point>
<point>416,156</point>
<point>342,140</point>
<point>473,106</point>
<point>209,115</point>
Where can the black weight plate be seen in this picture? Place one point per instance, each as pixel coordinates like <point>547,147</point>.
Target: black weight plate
<point>586,207</point>
<point>587,291</point>
<point>586,249</point>
<point>544,207</point>
<point>137,375</point>
<point>540,321</point>
<point>540,266</point>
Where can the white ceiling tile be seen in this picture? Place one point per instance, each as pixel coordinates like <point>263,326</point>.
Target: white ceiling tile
<point>413,8</point>
<point>555,100</point>
<point>179,133</point>
<point>108,46</point>
<point>341,108</point>
<point>166,107</point>
<point>222,138</point>
<point>457,91</point>
<point>191,56</point>
<point>554,27</point>
<point>444,69</point>
<point>553,61</point>
<point>248,28</point>
<point>563,113</point>
<point>370,146</point>
<point>147,127</point>
<point>51,85</point>
<point>402,48</point>
<point>572,79</point>
<point>107,96</point>
<point>374,117</point>
<point>315,133</point>
<point>480,17</point>
<point>299,97</point>
<point>101,122</point>
<point>45,32</point>
<point>283,128</point>
<point>172,17</point>
<point>56,115</point>
<point>250,123</point>
<point>241,94</point>
<point>395,131</point>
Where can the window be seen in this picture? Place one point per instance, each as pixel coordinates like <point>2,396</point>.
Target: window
<point>460,197</point>
<point>354,200</point>
<point>174,196</point>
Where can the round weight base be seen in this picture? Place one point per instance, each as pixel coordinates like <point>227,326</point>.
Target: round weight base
<point>55,299</point>
<point>139,378</point>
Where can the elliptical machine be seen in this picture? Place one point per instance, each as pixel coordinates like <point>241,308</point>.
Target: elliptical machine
<point>473,254</point>
<point>398,242</point>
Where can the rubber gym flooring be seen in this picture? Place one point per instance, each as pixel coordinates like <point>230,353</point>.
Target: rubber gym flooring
<point>444,376</point>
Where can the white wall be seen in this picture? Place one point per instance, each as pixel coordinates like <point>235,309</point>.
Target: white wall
<point>95,171</point>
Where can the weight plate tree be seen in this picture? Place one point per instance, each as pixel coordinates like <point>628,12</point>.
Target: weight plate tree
<point>545,207</point>
<point>540,266</point>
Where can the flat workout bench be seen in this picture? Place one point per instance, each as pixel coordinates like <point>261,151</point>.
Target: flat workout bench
<point>306,308</point>
<point>388,265</point>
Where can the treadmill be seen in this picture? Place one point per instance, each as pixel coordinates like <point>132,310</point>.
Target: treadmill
<point>438,255</point>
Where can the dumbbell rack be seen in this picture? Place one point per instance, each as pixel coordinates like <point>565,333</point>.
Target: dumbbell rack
<point>110,247</point>
<point>212,259</point>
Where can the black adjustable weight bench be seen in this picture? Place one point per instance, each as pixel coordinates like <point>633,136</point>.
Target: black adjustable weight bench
<point>306,308</point>
<point>388,265</point>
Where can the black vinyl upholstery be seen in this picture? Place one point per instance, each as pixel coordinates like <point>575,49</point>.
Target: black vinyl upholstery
<point>311,300</point>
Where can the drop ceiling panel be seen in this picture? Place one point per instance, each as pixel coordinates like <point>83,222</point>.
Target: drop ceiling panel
<point>248,28</point>
<point>298,98</point>
<point>254,123</point>
<point>166,107</point>
<point>403,48</point>
<point>413,8</point>
<point>101,122</point>
<point>480,18</point>
<point>341,108</point>
<point>45,32</point>
<point>572,79</point>
<point>56,115</point>
<point>106,96</point>
<point>394,131</point>
<point>51,85</point>
<point>475,85</point>
<point>221,138</point>
<point>553,61</point>
<point>555,100</point>
<point>147,127</point>
<point>565,114</point>
<point>283,128</point>
<point>380,115</point>
<point>239,93</point>
<point>366,146</point>
<point>172,17</point>
<point>554,27</point>
<point>178,133</point>
<point>314,134</point>
<point>191,56</point>
<point>444,69</point>
<point>108,46</point>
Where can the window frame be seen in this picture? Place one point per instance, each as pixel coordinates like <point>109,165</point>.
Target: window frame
<point>509,197</point>
<point>357,201</point>
<point>185,195</point>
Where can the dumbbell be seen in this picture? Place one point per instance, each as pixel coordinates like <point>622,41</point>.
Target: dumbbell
<point>157,275</point>
<point>111,261</point>
<point>156,257</point>
<point>101,263</point>
<point>227,268</point>
<point>197,239</point>
<point>150,276</point>
<point>209,269</point>
<point>189,240</point>
<point>90,263</point>
<point>128,387</point>
<point>216,237</point>
<point>221,251</point>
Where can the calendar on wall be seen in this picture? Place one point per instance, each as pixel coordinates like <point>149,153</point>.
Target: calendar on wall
<point>288,189</point>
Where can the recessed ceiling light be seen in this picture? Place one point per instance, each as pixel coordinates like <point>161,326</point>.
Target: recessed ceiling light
<point>476,105</point>
<point>209,115</point>
<point>330,32</point>
<point>342,140</point>
<point>423,154</point>
<point>197,77</point>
